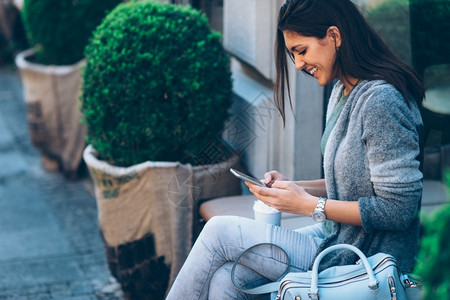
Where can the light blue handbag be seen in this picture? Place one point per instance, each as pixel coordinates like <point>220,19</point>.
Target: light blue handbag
<point>376,277</point>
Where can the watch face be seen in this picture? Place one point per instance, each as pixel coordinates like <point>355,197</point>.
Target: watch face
<point>318,216</point>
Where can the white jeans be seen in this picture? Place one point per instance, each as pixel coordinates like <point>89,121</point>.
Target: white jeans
<point>206,274</point>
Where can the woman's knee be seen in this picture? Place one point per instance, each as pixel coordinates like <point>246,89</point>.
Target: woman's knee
<point>220,224</point>
<point>219,230</point>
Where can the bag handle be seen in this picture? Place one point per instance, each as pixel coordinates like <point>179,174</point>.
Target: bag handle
<point>373,283</point>
<point>265,288</point>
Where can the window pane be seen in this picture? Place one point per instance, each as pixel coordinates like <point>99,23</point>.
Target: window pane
<point>214,10</point>
<point>390,18</point>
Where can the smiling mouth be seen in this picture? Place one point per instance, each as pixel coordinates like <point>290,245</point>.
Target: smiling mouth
<point>313,71</point>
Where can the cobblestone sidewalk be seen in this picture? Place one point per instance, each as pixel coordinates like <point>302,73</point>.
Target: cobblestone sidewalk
<point>50,245</point>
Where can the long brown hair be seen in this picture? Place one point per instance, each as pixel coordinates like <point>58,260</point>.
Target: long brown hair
<point>362,53</point>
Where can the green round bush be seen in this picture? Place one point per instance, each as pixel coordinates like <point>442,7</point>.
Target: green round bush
<point>157,84</point>
<point>433,263</point>
<point>60,29</point>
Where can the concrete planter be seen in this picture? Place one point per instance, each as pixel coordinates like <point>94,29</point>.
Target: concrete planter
<point>148,214</point>
<point>52,98</point>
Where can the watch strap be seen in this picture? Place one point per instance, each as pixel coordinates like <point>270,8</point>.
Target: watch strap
<point>319,214</point>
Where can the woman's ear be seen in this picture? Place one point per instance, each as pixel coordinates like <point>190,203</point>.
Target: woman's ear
<point>335,35</point>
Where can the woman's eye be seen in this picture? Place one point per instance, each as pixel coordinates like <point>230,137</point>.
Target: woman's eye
<point>302,52</point>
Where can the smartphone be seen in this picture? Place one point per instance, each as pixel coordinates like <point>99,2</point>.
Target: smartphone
<point>245,177</point>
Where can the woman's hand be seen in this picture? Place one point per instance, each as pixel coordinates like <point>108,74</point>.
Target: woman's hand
<point>272,176</point>
<point>286,196</point>
<point>292,197</point>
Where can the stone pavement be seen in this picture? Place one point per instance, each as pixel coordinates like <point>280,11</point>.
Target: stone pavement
<point>50,245</point>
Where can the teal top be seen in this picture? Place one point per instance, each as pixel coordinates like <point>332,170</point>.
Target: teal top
<point>332,121</point>
<point>327,226</point>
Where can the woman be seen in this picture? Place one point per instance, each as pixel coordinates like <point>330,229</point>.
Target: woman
<point>371,193</point>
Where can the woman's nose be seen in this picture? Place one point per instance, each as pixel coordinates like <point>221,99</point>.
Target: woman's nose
<point>299,64</point>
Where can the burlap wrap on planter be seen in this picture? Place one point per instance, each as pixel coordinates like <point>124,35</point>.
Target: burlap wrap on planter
<point>155,202</point>
<point>52,97</point>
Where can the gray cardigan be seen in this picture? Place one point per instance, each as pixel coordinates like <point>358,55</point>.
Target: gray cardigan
<point>372,156</point>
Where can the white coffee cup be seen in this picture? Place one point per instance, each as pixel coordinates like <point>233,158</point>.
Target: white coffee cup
<point>265,213</point>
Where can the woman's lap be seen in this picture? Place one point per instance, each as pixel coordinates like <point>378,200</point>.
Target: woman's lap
<point>221,243</point>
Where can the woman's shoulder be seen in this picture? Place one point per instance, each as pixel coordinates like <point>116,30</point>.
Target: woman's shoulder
<point>380,99</point>
<point>380,94</point>
<point>380,88</point>
<point>369,89</point>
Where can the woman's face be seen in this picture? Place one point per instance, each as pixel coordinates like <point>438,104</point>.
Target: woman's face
<point>315,55</point>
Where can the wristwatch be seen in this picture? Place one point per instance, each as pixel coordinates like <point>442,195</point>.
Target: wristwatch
<point>318,214</point>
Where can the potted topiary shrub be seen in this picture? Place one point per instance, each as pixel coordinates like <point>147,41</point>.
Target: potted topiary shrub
<point>156,94</point>
<point>58,30</point>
